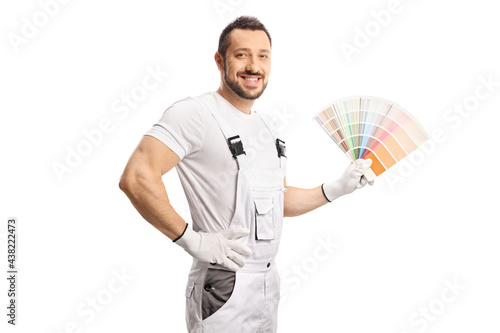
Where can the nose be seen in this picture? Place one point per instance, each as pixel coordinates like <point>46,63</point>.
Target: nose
<point>252,65</point>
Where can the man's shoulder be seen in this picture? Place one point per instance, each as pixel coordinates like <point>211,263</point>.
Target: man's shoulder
<point>206,100</point>
<point>191,105</point>
<point>197,104</point>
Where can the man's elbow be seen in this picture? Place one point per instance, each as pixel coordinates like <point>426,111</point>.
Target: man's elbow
<point>134,181</point>
<point>128,183</point>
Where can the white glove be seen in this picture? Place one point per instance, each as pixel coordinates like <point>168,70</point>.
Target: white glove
<point>216,248</point>
<point>351,179</point>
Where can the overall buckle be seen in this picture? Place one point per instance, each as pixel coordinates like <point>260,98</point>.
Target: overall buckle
<point>236,146</point>
<point>280,146</point>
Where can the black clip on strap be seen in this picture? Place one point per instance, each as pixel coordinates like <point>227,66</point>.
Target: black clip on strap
<point>236,146</point>
<point>280,146</point>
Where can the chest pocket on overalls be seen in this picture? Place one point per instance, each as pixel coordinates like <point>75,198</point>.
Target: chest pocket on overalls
<point>266,186</point>
<point>267,200</point>
<point>264,217</point>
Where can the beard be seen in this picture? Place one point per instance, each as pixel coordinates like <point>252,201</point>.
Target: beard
<point>238,88</point>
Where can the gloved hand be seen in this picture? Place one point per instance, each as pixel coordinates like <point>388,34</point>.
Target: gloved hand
<point>351,179</point>
<point>218,248</point>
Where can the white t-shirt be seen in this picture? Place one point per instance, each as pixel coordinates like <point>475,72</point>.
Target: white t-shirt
<point>207,169</point>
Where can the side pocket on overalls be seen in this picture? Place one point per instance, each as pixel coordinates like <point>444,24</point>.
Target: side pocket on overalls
<point>191,318</point>
<point>264,219</point>
<point>217,289</point>
<point>189,289</point>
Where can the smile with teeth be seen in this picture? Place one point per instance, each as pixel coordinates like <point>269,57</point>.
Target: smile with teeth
<point>251,79</point>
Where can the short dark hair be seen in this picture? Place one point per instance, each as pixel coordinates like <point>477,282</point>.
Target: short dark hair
<point>244,23</point>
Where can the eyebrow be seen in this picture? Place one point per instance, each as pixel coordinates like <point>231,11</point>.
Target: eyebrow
<point>246,49</point>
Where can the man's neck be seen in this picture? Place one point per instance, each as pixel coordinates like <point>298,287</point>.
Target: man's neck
<point>242,104</point>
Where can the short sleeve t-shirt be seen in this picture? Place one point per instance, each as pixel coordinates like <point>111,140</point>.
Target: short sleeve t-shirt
<point>207,170</point>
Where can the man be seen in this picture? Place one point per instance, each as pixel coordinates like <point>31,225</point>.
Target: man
<point>232,165</point>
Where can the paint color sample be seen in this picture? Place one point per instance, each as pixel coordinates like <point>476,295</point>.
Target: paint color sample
<point>372,128</point>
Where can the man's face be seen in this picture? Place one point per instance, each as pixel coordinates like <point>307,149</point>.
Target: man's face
<point>247,64</point>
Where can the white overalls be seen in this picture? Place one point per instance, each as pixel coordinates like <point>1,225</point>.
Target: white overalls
<point>218,300</point>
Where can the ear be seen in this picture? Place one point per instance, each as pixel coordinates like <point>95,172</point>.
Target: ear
<point>218,61</point>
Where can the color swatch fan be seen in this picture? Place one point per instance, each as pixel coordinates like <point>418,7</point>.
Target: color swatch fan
<point>372,128</point>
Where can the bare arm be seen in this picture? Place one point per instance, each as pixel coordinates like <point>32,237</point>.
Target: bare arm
<point>141,181</point>
<point>299,201</point>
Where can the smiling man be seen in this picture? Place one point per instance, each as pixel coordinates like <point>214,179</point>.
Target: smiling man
<point>237,200</point>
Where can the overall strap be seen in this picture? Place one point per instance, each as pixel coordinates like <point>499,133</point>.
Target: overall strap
<point>280,144</point>
<point>233,140</point>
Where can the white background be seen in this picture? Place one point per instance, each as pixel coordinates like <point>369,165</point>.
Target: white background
<point>398,242</point>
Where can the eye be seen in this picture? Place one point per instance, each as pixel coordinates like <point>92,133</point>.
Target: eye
<point>240,55</point>
<point>264,56</point>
